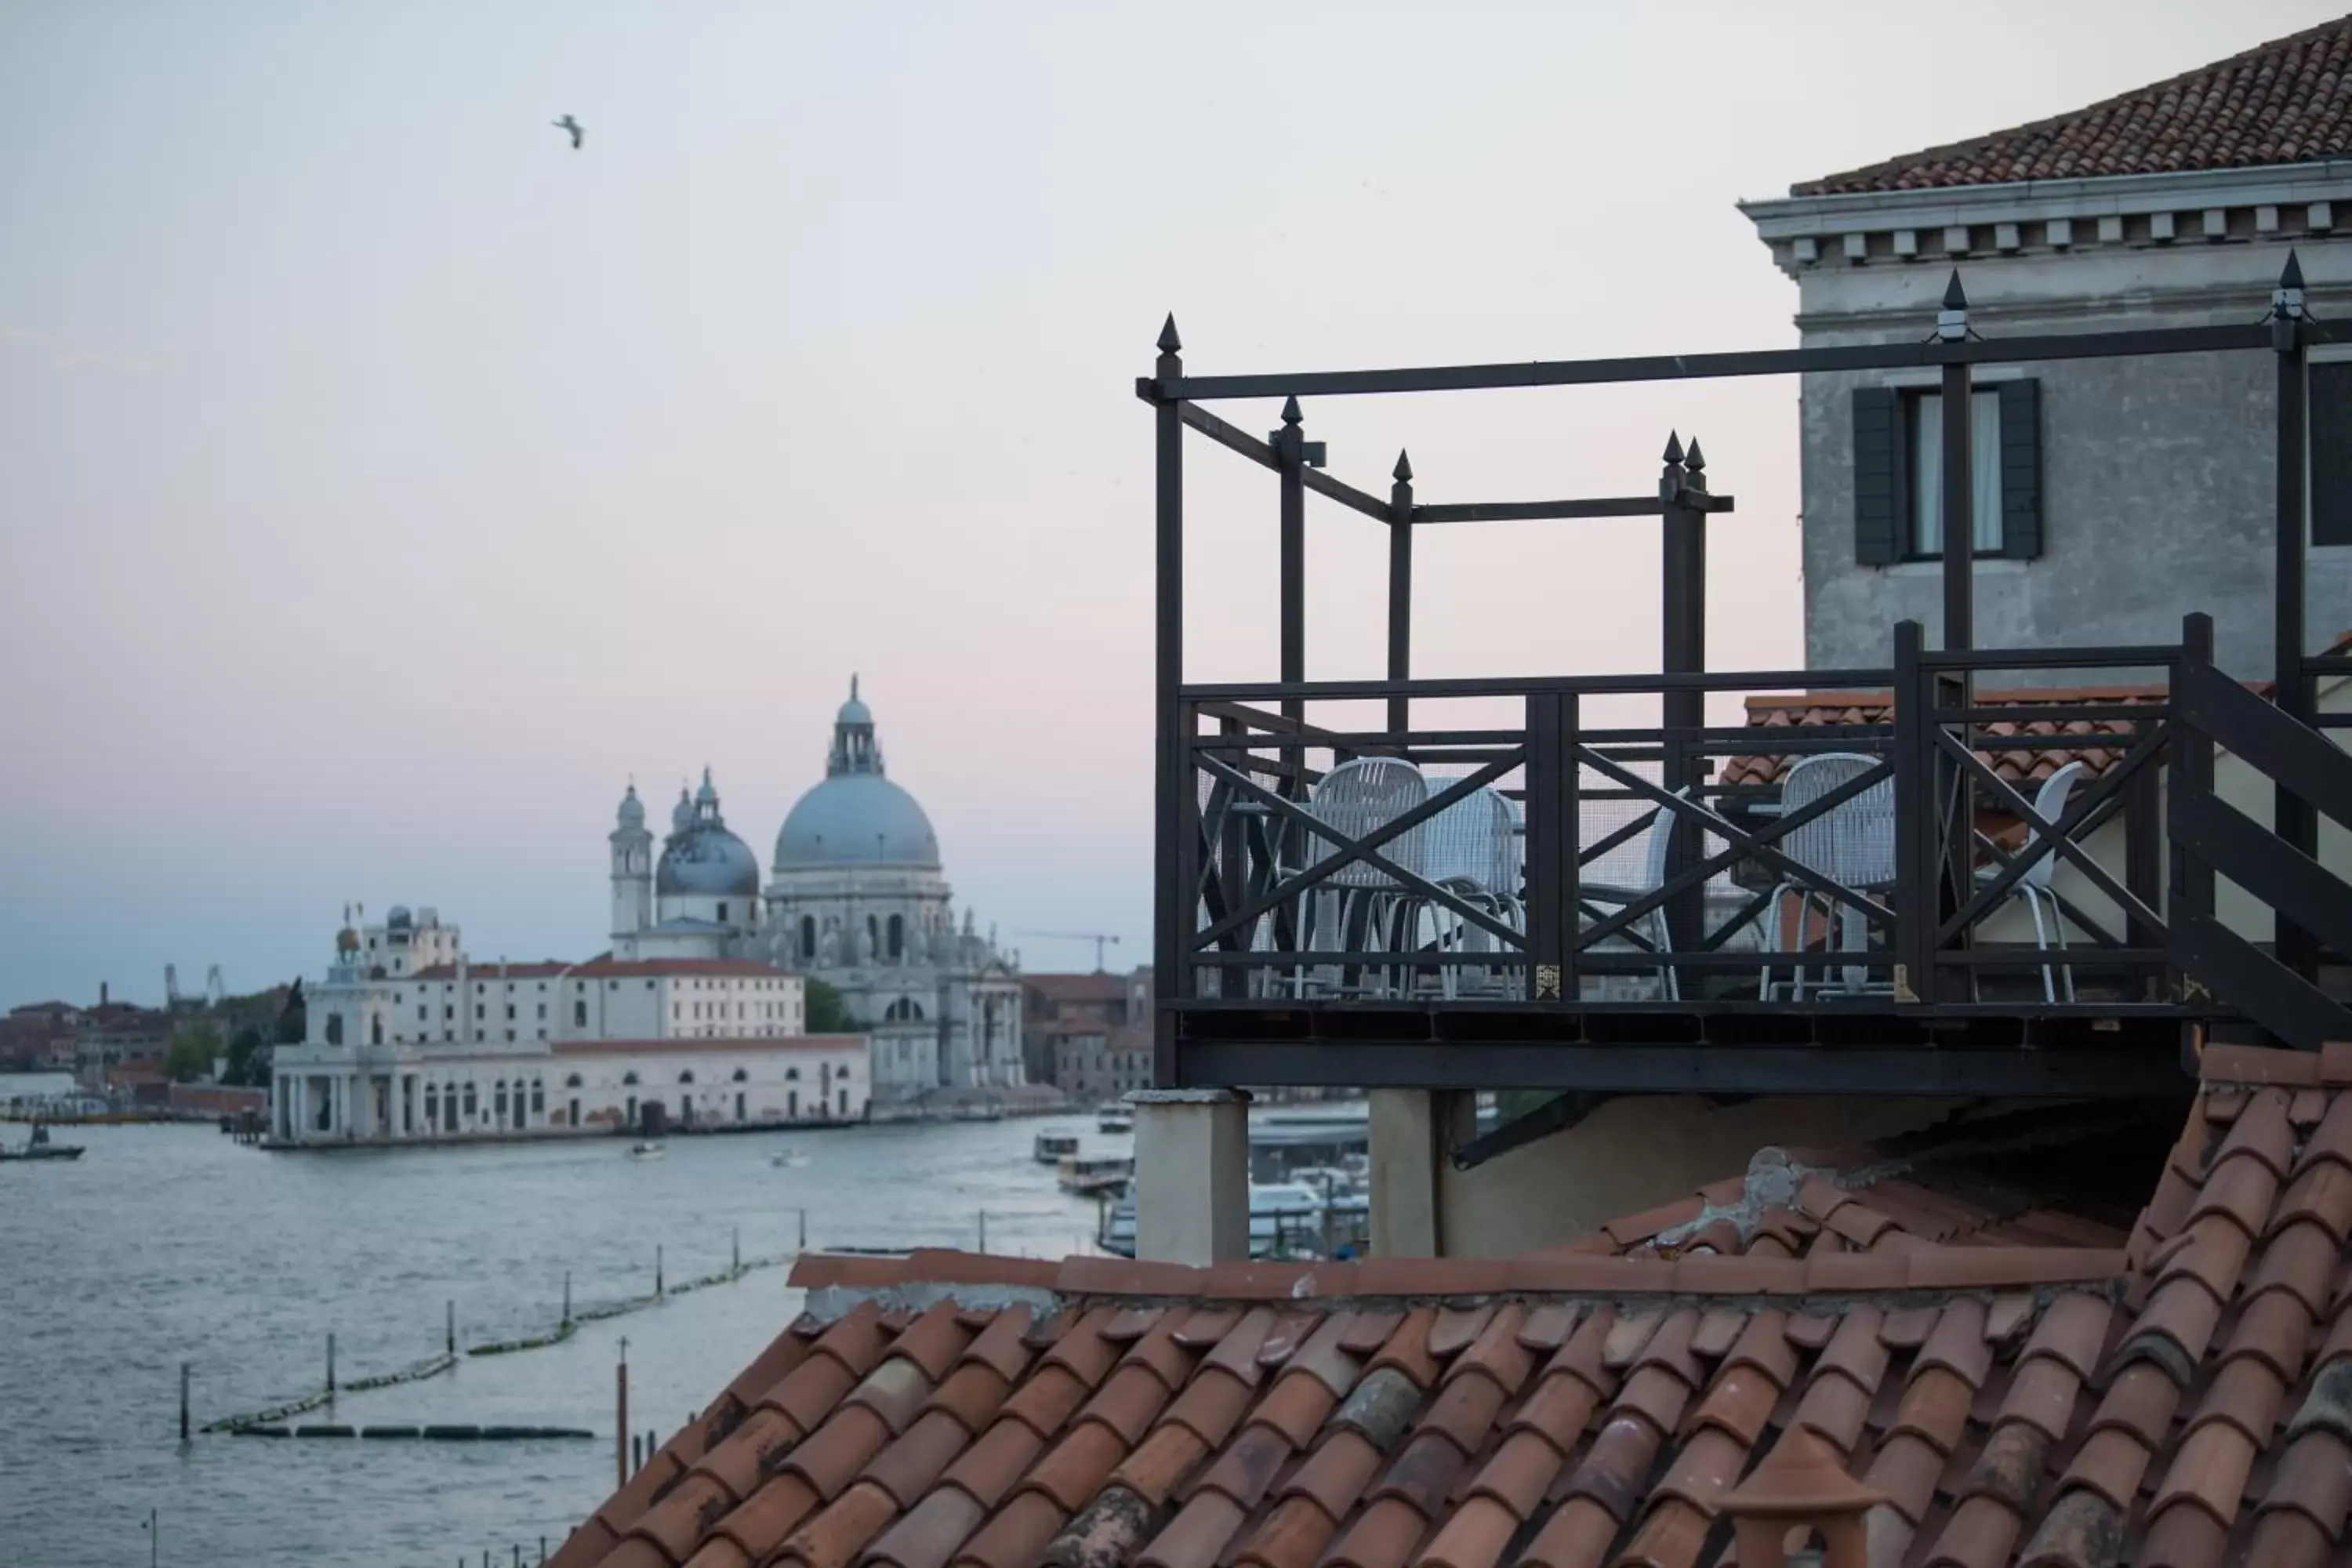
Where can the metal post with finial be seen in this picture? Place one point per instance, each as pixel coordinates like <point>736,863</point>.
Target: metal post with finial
<point>1174,914</point>
<point>2293,817</point>
<point>1682,556</point>
<point>1400,589</point>
<point>1289,445</point>
<point>1960,532</point>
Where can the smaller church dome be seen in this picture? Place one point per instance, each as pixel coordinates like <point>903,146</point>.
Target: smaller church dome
<point>633,810</point>
<point>702,857</point>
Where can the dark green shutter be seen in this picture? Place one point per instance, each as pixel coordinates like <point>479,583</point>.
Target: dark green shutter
<point>2021,468</point>
<point>2330,439</point>
<point>1877,489</point>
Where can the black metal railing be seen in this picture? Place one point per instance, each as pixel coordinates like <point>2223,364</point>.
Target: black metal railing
<point>1668,866</point>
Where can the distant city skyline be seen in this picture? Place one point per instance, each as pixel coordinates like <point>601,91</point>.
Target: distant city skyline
<point>385,483</point>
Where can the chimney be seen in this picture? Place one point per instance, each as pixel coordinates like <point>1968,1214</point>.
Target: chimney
<point>1800,1485</point>
<point>102,992</point>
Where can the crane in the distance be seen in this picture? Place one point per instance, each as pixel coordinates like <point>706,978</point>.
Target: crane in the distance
<point>1100,939</point>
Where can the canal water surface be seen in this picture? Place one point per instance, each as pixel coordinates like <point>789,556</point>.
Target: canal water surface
<point>171,1244</point>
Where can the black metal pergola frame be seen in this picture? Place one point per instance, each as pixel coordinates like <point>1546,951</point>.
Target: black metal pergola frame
<point>1431,1050</point>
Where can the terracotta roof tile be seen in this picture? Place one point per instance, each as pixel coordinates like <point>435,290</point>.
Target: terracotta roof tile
<point>2286,102</point>
<point>2017,1392</point>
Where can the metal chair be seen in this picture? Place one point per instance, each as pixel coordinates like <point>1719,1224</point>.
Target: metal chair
<point>1852,844</point>
<point>2034,886</point>
<point>1360,908</point>
<point>1477,850</point>
<point>1652,932</point>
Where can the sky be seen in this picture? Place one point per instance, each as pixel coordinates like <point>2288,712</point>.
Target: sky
<point>383,485</point>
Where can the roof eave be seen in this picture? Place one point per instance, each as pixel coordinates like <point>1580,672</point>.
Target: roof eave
<point>2028,201</point>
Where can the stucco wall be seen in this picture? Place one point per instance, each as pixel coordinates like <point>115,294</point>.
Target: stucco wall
<point>2157,474</point>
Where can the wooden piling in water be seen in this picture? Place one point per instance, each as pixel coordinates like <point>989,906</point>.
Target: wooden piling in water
<point>183,1402</point>
<point>621,1424</point>
<point>449,1328</point>
<point>331,1363</point>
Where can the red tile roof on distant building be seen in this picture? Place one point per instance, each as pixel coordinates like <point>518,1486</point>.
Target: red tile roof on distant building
<point>542,969</point>
<point>2288,101</point>
<point>2185,1399</point>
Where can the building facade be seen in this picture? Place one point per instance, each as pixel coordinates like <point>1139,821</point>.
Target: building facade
<point>2135,212</point>
<point>857,896</point>
<point>1058,1008</point>
<point>407,1040</point>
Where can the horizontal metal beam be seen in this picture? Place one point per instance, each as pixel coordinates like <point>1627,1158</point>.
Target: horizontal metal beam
<point>1710,367</point>
<point>1539,511</point>
<point>1256,451</point>
<point>1772,682</point>
<point>2117,1073</point>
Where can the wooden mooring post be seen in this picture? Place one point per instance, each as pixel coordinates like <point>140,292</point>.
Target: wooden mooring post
<point>621,1422</point>
<point>183,1402</point>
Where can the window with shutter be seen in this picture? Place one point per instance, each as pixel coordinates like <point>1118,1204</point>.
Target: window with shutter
<point>1877,476</point>
<point>2021,468</point>
<point>2330,423</point>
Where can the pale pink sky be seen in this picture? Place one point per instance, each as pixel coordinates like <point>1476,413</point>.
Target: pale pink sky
<point>381,483</point>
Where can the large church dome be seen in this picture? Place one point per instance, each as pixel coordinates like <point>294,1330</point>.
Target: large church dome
<point>702,857</point>
<point>856,817</point>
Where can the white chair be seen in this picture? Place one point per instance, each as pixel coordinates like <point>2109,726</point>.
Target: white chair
<point>1477,850</point>
<point>1852,844</point>
<point>2034,886</point>
<point>1360,908</point>
<point>1652,930</point>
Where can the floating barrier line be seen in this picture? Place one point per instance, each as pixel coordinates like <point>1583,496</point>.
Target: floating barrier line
<point>271,1421</point>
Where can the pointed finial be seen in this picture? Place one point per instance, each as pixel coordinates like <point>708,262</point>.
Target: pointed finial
<point>1952,321</point>
<point>1698,460</point>
<point>1404,467</point>
<point>1290,414</point>
<point>2291,275</point>
<point>1169,341</point>
<point>853,686</point>
<point>1674,449</point>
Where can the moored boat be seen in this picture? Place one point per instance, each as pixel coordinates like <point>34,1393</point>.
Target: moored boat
<point>38,1147</point>
<point>1053,1148</point>
<point>1114,1117</point>
<point>1089,1174</point>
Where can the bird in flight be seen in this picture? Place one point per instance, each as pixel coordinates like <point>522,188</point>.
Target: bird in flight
<point>568,123</point>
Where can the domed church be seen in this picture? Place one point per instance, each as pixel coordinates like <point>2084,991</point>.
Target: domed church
<point>857,897</point>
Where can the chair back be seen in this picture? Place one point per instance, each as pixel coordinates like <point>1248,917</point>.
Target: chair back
<point>2050,805</point>
<point>1852,845</point>
<point>1361,797</point>
<point>1661,840</point>
<point>1476,840</point>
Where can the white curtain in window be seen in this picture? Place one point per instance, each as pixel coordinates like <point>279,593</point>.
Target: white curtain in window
<point>1928,473</point>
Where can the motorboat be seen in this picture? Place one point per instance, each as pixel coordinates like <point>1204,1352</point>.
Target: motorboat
<point>38,1147</point>
<point>646,1150</point>
<point>1053,1148</point>
<point>1115,1118</point>
<point>788,1159</point>
<point>1088,1176</point>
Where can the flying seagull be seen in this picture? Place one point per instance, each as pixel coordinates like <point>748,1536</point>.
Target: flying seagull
<point>568,123</point>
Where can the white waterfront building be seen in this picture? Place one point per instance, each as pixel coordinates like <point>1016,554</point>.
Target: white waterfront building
<point>698,1014</point>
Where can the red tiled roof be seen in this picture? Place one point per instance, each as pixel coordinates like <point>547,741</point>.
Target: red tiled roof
<point>1096,988</point>
<point>2021,769</point>
<point>2288,101</point>
<point>543,968</point>
<point>687,1045</point>
<point>2185,1401</point>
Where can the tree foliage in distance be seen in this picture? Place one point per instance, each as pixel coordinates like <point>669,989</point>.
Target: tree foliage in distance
<point>827,1013</point>
<point>249,1059</point>
<point>189,1058</point>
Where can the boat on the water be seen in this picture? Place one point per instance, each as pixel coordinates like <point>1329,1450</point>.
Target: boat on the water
<point>1115,1118</point>
<point>1053,1148</point>
<point>646,1150</point>
<point>788,1159</point>
<point>38,1147</point>
<point>1090,1174</point>
<point>1288,1219</point>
